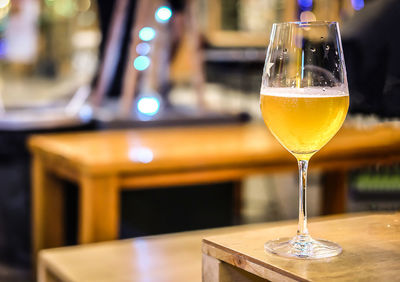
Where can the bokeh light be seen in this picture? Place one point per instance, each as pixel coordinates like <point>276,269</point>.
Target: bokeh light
<point>64,8</point>
<point>163,14</point>
<point>141,63</point>
<point>147,33</point>
<point>143,48</point>
<point>5,6</point>
<point>357,4</point>
<point>4,3</point>
<point>3,48</point>
<point>305,4</point>
<point>141,155</point>
<point>148,105</point>
<point>83,5</point>
<point>49,2</point>
<point>86,113</point>
<point>307,16</point>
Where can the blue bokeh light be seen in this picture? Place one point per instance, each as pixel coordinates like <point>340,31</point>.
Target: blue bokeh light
<point>86,113</point>
<point>148,106</point>
<point>3,48</point>
<point>357,4</point>
<point>141,63</point>
<point>143,48</point>
<point>163,14</point>
<point>305,4</point>
<point>147,33</point>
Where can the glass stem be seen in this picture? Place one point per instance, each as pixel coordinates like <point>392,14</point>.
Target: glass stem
<point>302,228</point>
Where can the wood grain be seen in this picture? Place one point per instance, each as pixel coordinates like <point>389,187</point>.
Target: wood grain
<point>173,257</point>
<point>103,163</point>
<point>371,251</point>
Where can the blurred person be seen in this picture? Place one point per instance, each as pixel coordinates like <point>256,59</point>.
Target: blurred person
<point>371,42</point>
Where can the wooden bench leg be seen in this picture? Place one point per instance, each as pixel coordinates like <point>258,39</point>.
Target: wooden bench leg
<point>47,209</point>
<point>214,270</point>
<point>99,209</point>
<point>43,272</point>
<point>334,194</point>
<point>237,201</point>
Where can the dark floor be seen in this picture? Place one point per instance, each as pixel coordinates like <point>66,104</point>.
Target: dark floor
<point>14,274</point>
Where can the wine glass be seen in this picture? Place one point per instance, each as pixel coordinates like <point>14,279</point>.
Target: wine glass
<point>304,101</point>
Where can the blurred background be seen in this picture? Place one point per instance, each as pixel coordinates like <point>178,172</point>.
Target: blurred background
<point>87,65</point>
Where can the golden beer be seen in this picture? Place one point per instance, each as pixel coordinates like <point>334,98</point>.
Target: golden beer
<point>303,123</point>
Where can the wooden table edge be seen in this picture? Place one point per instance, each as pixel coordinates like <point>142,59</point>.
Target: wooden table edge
<point>208,245</point>
<point>45,262</point>
<point>46,266</point>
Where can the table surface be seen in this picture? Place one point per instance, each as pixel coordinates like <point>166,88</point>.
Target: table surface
<point>177,148</point>
<point>171,257</point>
<point>177,257</point>
<point>371,251</point>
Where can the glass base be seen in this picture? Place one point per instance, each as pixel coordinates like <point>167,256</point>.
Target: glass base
<point>303,247</point>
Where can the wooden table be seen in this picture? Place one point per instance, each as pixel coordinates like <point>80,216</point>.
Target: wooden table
<point>104,162</point>
<point>371,252</point>
<point>178,257</point>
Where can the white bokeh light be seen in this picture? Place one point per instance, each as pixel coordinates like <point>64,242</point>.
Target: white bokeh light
<point>141,155</point>
<point>163,14</point>
<point>148,105</point>
<point>147,33</point>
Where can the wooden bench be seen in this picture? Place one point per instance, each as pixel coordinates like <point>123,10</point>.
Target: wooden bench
<point>372,255</point>
<point>103,163</point>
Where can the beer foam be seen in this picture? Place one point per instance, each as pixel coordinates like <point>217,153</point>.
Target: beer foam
<point>314,92</point>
